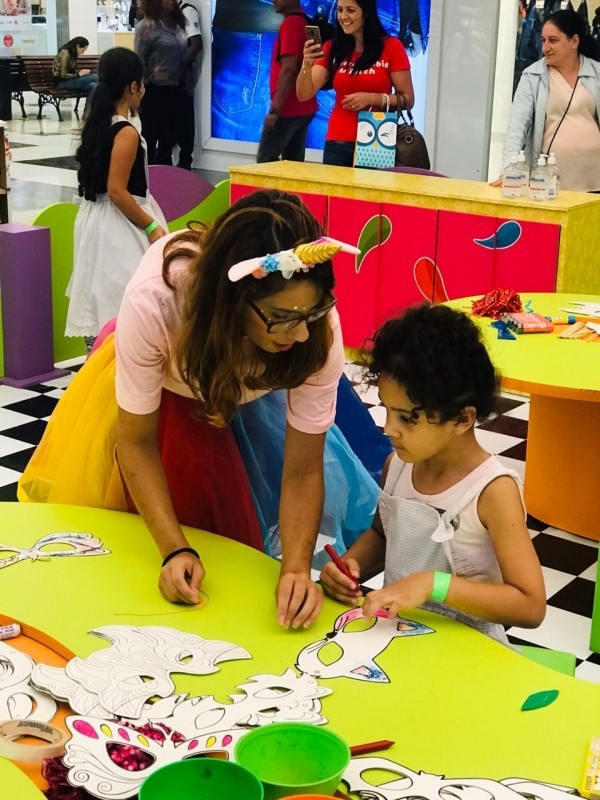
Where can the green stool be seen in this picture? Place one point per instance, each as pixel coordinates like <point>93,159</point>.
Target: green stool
<point>558,660</point>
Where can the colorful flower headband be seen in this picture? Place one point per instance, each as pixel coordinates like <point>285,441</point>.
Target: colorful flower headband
<point>302,257</point>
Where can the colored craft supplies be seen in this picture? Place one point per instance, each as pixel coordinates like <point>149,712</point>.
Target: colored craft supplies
<point>590,785</point>
<point>10,631</point>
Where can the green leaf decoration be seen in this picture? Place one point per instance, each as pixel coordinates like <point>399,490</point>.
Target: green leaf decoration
<point>540,700</point>
<point>376,231</point>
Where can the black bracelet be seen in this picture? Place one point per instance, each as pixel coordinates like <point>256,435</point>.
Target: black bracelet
<point>178,552</point>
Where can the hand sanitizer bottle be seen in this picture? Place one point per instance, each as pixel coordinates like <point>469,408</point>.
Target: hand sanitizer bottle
<point>553,177</point>
<point>524,170</point>
<point>512,179</point>
<point>538,180</point>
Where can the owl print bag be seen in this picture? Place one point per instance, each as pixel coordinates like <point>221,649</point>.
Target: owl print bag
<point>376,139</point>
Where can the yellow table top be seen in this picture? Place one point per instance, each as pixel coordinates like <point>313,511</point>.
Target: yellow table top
<point>325,179</point>
<point>452,706</point>
<point>541,363</point>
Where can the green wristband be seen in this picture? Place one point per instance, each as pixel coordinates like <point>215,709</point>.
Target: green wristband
<point>152,227</point>
<point>441,586</point>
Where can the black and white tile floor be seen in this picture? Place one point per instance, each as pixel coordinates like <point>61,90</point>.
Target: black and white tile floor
<point>568,561</point>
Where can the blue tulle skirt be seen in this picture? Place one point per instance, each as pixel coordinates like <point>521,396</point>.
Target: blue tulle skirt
<point>351,490</point>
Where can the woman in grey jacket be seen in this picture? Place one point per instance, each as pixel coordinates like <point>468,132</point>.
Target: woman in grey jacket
<point>556,107</point>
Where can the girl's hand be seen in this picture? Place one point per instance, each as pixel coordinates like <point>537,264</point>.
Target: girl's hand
<point>311,53</point>
<point>180,579</point>
<point>338,585</point>
<point>357,101</point>
<point>157,233</point>
<point>409,592</point>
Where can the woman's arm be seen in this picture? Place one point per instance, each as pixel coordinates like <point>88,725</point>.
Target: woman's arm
<point>520,600</point>
<point>311,76</point>
<point>142,469</point>
<point>520,119</point>
<point>299,600</point>
<point>405,95</point>
<point>122,158</point>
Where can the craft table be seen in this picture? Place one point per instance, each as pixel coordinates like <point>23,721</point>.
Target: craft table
<point>563,378</point>
<point>453,702</point>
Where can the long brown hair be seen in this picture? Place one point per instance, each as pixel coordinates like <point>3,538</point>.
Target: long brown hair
<point>210,354</point>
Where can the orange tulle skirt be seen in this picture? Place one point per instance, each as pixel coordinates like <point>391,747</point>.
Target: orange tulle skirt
<point>76,464</point>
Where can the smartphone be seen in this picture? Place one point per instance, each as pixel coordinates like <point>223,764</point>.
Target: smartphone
<point>313,32</point>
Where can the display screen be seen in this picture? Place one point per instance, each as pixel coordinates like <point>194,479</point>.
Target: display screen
<point>244,33</point>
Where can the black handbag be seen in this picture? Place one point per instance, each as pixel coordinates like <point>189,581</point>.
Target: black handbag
<point>411,149</point>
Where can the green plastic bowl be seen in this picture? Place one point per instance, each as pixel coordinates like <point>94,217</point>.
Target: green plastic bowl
<point>201,779</point>
<point>292,758</point>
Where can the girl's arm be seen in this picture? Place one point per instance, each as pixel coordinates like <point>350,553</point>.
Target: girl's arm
<point>311,76</point>
<point>139,461</point>
<point>520,600</point>
<point>121,163</point>
<point>299,600</point>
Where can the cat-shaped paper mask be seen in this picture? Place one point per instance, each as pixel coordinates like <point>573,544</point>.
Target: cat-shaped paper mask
<point>358,648</point>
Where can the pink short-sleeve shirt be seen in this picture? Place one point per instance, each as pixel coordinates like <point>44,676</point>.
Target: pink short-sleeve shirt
<point>147,326</point>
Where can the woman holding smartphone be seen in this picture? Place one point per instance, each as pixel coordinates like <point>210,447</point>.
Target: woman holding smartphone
<point>369,69</point>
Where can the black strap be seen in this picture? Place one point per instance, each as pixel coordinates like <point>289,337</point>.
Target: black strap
<point>562,118</point>
<point>168,557</point>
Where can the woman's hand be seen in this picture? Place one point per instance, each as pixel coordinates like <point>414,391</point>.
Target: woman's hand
<point>409,592</point>
<point>357,101</point>
<point>311,53</point>
<point>497,182</point>
<point>157,233</point>
<point>299,600</point>
<point>180,579</point>
<point>83,72</point>
<point>338,585</point>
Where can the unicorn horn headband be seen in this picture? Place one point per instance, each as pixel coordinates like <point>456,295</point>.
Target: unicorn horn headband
<point>302,257</point>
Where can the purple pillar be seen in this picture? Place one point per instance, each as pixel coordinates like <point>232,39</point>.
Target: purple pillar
<point>26,290</point>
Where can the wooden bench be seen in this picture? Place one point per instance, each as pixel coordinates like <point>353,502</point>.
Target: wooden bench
<point>38,70</point>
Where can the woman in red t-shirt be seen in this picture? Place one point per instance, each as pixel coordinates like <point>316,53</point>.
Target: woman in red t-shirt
<point>369,68</point>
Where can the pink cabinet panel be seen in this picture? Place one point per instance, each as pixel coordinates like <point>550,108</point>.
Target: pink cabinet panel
<point>476,254</point>
<point>357,277</point>
<point>525,255</point>
<point>407,258</point>
<point>465,267</point>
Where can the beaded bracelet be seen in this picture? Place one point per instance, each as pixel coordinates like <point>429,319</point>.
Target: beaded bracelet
<point>168,557</point>
<point>441,586</point>
<point>152,227</point>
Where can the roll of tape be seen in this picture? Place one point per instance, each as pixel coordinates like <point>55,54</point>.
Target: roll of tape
<point>13,729</point>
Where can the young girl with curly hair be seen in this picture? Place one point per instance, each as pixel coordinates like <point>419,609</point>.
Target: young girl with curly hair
<point>451,526</point>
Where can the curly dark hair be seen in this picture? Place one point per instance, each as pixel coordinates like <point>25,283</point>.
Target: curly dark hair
<point>439,358</point>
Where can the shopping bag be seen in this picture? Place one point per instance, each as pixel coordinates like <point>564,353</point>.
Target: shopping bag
<point>376,139</point>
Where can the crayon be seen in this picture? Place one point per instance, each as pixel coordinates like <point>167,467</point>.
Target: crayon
<point>10,631</point>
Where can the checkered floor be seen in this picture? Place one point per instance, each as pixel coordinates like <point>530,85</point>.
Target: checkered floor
<point>568,561</point>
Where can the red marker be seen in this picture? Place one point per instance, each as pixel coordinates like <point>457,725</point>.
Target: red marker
<point>370,747</point>
<point>340,564</point>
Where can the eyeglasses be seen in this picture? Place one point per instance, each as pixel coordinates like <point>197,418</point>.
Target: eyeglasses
<point>288,324</point>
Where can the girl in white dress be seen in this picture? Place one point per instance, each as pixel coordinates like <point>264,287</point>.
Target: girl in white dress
<point>118,218</point>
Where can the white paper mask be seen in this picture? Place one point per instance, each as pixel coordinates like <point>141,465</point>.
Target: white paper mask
<point>92,767</point>
<point>76,544</point>
<point>266,699</point>
<point>358,648</point>
<point>118,681</point>
<point>426,786</point>
<point>19,700</point>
